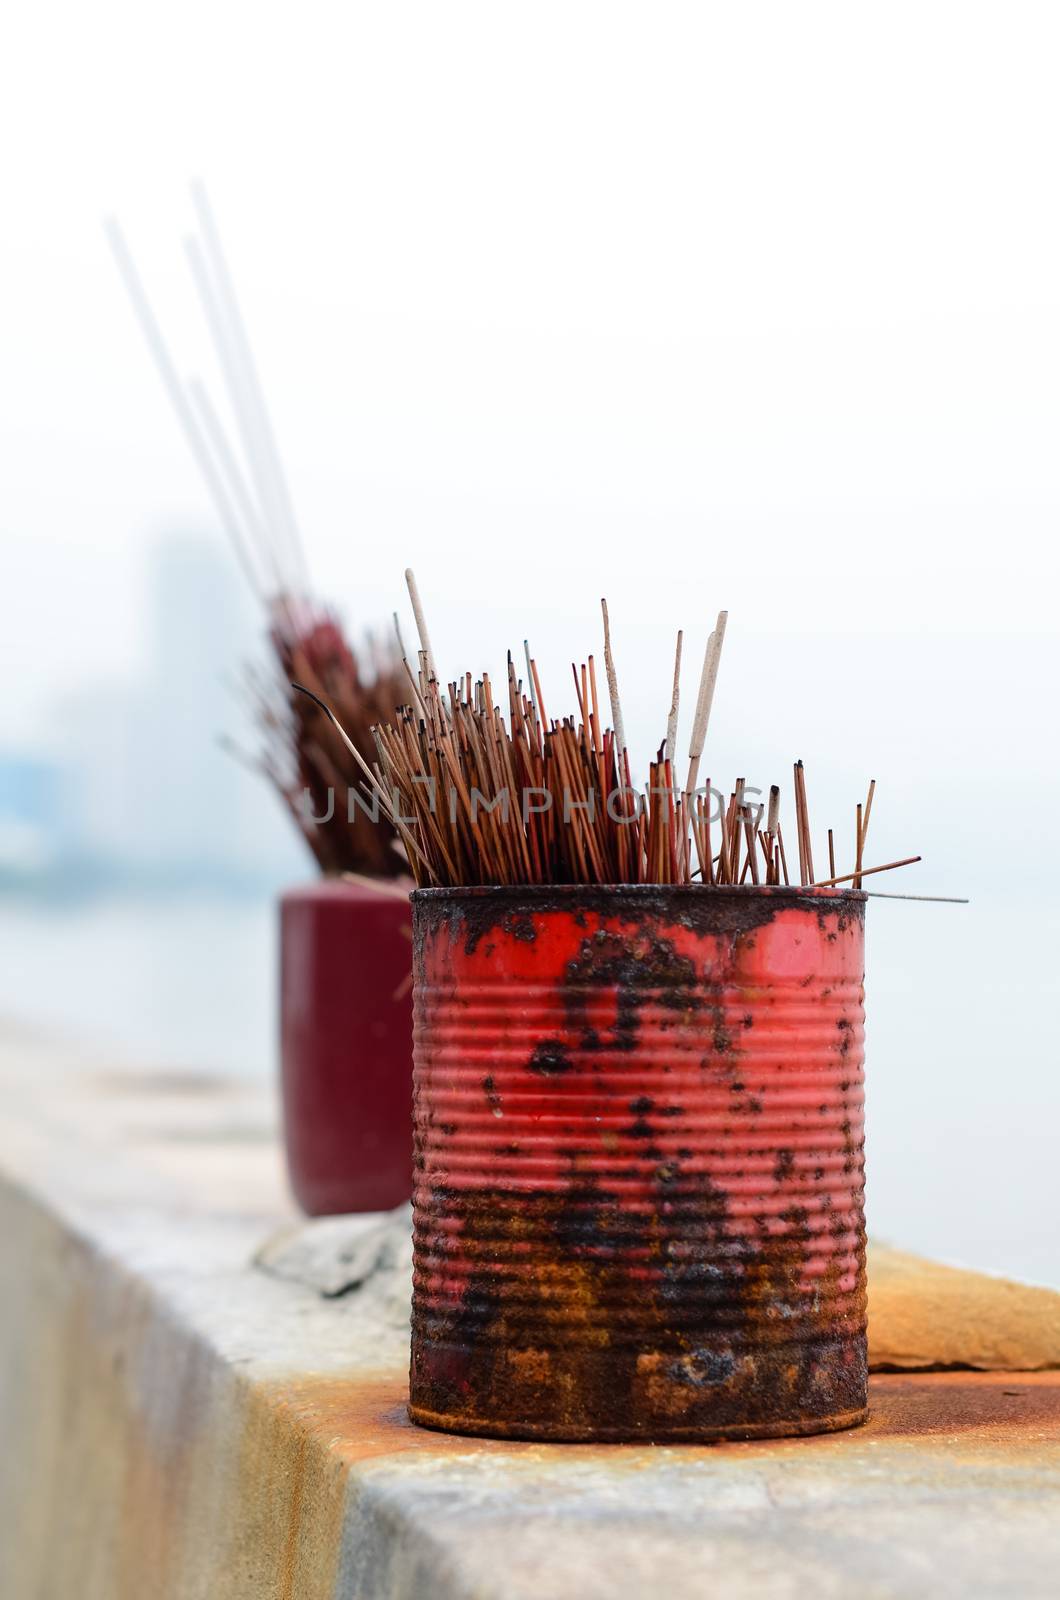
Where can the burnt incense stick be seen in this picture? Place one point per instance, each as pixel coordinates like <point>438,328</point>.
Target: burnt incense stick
<point>863,823</point>
<point>490,796</point>
<point>801,775</point>
<point>868,811</point>
<point>800,824</point>
<point>370,776</point>
<point>827,883</point>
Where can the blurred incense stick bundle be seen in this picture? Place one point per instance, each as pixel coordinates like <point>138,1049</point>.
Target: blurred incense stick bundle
<point>305,756</point>
<point>302,754</point>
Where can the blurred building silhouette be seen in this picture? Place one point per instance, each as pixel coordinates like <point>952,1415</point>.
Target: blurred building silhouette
<point>136,791</point>
<point>30,810</point>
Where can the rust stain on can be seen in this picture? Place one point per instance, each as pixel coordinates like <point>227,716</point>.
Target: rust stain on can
<point>638,1199</point>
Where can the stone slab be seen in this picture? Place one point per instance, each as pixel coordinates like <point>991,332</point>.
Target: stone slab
<point>177,1422</point>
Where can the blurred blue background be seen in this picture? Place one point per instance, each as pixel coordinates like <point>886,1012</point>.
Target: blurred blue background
<point>138,859</point>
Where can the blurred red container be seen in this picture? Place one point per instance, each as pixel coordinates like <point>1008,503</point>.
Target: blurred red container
<point>346,1046</point>
<point>638,1206</point>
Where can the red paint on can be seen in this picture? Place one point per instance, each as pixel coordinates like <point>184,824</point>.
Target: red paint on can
<point>346,1047</point>
<point>639,1176</point>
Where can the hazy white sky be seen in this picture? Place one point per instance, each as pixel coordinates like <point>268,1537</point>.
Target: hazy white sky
<point>699,305</point>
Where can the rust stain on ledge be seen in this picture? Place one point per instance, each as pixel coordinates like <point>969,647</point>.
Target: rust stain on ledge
<point>979,1414</point>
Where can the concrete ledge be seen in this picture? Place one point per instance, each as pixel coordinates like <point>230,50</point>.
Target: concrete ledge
<point>179,1423</point>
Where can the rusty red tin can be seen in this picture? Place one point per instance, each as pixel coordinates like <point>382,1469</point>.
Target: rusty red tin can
<point>346,1046</point>
<point>638,1162</point>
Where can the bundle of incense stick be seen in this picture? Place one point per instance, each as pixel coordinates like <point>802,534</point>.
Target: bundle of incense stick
<point>302,754</point>
<point>481,799</point>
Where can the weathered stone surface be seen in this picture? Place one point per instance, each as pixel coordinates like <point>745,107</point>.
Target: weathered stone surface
<point>177,1423</point>
<point>924,1315</point>
<point>335,1255</point>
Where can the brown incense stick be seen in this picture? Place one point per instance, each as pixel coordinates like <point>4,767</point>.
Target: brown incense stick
<point>827,883</point>
<point>365,768</point>
<point>522,798</point>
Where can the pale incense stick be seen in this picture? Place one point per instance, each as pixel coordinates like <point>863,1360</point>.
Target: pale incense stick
<point>705,698</point>
<point>229,465</point>
<point>675,702</point>
<point>270,455</point>
<point>612,688</point>
<point>530,680</point>
<point>240,399</point>
<point>421,622</point>
<point>178,399</point>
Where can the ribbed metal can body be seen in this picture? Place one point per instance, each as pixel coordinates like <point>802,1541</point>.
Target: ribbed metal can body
<point>638,1162</point>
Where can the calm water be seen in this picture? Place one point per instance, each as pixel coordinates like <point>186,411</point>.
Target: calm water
<point>963,1079</point>
<point>172,983</point>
